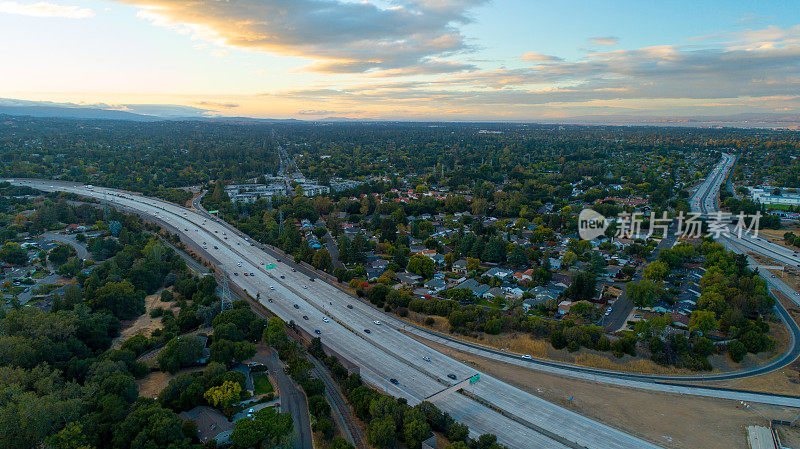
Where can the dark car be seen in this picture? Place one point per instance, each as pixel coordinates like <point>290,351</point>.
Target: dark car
<point>311,279</point>
<point>216,247</point>
<point>269,299</point>
<point>283,277</point>
<point>349,306</point>
<point>296,306</point>
<point>317,331</point>
<point>293,270</point>
<point>305,317</point>
<point>367,331</point>
<point>452,376</point>
<point>394,381</point>
<point>235,273</point>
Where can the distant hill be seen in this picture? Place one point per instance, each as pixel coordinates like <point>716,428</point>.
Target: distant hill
<point>74,112</point>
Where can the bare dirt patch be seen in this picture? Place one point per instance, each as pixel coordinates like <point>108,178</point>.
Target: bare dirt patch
<point>152,384</point>
<point>668,420</point>
<point>145,324</point>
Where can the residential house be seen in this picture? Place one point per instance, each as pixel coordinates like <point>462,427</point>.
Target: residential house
<point>409,280</point>
<point>460,266</point>
<point>498,272</point>
<point>436,285</point>
<point>477,288</point>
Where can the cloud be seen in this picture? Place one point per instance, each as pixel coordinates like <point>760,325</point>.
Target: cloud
<point>533,56</point>
<point>44,9</point>
<point>316,112</point>
<point>605,40</point>
<point>216,105</point>
<point>164,110</point>
<point>751,68</point>
<point>343,36</point>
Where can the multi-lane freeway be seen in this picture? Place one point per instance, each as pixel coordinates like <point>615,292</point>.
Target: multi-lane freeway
<point>385,352</point>
<point>518,418</point>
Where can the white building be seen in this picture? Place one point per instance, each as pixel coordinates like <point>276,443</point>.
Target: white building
<point>249,193</point>
<point>766,197</point>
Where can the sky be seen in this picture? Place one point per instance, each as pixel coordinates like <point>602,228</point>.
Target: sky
<point>497,60</point>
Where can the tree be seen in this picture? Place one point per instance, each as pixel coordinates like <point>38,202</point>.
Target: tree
<point>60,254</point>
<point>421,265</point>
<point>415,428</point>
<point>643,293</point>
<point>275,333</point>
<point>656,271</point>
<point>120,298</point>
<point>267,426</point>
<point>227,352</point>
<point>149,425</point>
<point>583,286</point>
<point>322,260</point>
<point>179,352</point>
<point>13,253</point>
<point>702,321</point>
<point>568,259</point>
<point>380,432</point>
<point>224,395</point>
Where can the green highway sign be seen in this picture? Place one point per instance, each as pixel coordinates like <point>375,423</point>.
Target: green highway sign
<point>267,267</point>
<point>474,378</point>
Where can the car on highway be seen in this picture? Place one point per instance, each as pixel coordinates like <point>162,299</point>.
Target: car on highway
<point>452,376</point>
<point>377,322</point>
<point>305,286</point>
<point>317,331</point>
<point>367,331</point>
<point>426,358</point>
<point>239,264</point>
<point>296,306</point>
<point>394,381</point>
<point>349,306</point>
<point>251,274</point>
<point>305,317</point>
<point>326,319</point>
<point>245,273</point>
<point>216,247</point>
<point>283,277</point>
<point>269,299</point>
<point>311,279</point>
<point>272,287</point>
<point>293,270</point>
<point>235,273</point>
<point>527,357</point>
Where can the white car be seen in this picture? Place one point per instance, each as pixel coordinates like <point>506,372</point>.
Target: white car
<point>305,286</point>
<point>325,319</point>
<point>272,287</point>
<point>377,322</point>
<point>526,357</point>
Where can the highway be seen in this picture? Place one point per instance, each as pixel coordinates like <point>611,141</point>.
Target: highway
<point>518,418</point>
